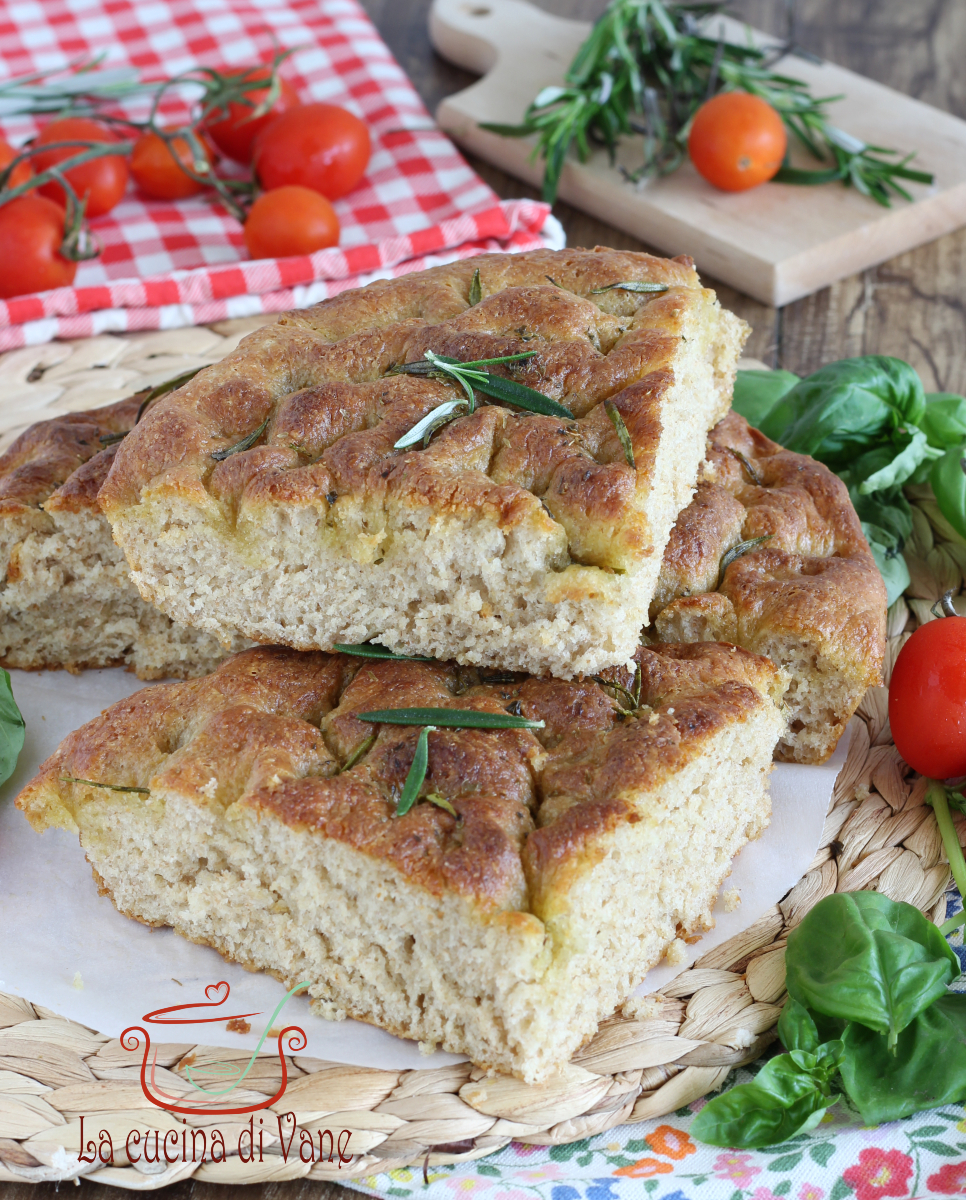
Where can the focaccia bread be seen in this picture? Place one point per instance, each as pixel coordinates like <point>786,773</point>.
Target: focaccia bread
<point>809,596</point>
<point>66,598</point>
<point>512,539</point>
<point>253,811</point>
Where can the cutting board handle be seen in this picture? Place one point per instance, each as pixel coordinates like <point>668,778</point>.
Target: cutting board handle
<point>472,33</point>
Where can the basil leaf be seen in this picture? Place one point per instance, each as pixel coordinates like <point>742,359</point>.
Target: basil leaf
<point>944,422</point>
<point>915,451</point>
<point>948,480</point>
<point>892,566</point>
<point>12,728</point>
<point>757,393</point>
<point>797,1029</point>
<point>862,957</point>
<point>842,409</point>
<point>784,1099</point>
<point>448,718</point>
<point>889,511</point>
<point>926,1069</point>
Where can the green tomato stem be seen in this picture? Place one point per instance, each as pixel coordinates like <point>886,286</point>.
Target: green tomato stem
<point>936,797</point>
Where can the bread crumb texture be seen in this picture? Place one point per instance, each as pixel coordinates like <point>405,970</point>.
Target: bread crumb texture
<point>809,595</point>
<point>579,851</point>
<point>512,539</point>
<point>66,597</point>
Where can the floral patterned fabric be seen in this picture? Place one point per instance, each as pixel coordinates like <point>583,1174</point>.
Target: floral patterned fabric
<point>920,1158</point>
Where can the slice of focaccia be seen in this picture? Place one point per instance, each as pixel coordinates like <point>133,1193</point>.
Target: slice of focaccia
<point>255,812</point>
<point>806,591</point>
<point>66,598</point>
<point>267,496</point>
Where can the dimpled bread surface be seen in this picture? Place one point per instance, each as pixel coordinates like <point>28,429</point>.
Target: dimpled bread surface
<point>265,827</point>
<point>513,539</point>
<point>809,596</point>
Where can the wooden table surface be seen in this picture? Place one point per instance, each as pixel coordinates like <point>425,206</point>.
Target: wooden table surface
<point>912,307</point>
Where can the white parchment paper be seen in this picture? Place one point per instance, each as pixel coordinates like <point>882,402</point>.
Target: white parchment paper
<point>65,947</point>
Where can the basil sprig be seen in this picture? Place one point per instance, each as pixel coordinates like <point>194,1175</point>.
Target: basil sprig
<point>12,728</point>
<point>868,1014</point>
<point>472,379</point>
<point>431,719</point>
<point>870,420</point>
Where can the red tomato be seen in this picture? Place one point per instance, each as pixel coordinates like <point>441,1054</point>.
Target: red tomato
<point>102,180</point>
<point>290,220</point>
<point>235,132</point>
<point>737,141</point>
<point>319,146</point>
<point>31,230</point>
<point>160,174</point>
<point>21,173</point>
<point>927,699</point>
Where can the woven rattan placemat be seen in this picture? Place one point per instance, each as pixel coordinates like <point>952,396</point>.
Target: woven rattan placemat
<point>678,1045</point>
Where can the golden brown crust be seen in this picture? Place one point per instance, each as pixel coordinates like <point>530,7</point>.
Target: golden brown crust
<point>272,729</point>
<point>809,594</point>
<point>319,378</point>
<point>46,456</point>
<point>813,579</point>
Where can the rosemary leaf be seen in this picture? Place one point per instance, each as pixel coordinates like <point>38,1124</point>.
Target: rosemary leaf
<point>472,378</point>
<point>359,753</point>
<point>375,650</point>
<point>441,415</point>
<point>417,773</point>
<point>511,392</point>
<point>645,69</point>
<point>441,802</point>
<point>737,552</point>
<point>621,429</point>
<point>111,787</point>
<point>631,285</point>
<point>448,718</point>
<point>245,444</point>
<point>162,389</point>
<point>752,473</point>
<point>621,690</point>
<point>110,439</point>
<point>476,289</point>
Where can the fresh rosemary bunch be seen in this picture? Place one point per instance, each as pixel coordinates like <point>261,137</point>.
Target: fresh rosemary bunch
<point>649,65</point>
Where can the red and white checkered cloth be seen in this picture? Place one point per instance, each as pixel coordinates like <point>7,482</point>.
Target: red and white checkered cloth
<point>169,264</point>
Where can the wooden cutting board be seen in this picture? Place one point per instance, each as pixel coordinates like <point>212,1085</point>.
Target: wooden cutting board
<point>776,242</point>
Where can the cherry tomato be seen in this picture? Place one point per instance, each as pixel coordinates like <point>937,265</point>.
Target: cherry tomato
<point>31,230</point>
<point>102,180</point>
<point>737,141</point>
<point>21,173</point>
<point>160,174</point>
<point>927,699</point>
<point>235,132</point>
<point>319,146</point>
<point>290,220</point>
